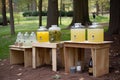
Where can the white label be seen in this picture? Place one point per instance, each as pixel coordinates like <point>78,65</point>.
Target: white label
<point>78,68</point>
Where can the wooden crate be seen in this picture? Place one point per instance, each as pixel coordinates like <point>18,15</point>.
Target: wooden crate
<point>74,51</point>
<point>19,55</point>
<point>41,54</point>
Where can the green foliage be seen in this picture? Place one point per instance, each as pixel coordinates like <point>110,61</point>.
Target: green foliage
<point>1,20</point>
<point>100,19</point>
<point>35,13</point>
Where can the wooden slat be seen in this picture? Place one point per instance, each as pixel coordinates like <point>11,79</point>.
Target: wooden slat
<point>28,57</point>
<point>54,60</point>
<point>16,57</point>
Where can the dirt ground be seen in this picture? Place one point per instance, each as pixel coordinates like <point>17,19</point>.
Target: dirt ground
<point>19,72</point>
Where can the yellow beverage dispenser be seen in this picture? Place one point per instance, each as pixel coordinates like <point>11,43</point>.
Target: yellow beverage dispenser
<point>42,34</point>
<point>95,33</point>
<point>78,33</point>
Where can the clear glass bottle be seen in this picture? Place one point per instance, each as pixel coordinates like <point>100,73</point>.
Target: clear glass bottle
<point>90,67</point>
<point>79,67</point>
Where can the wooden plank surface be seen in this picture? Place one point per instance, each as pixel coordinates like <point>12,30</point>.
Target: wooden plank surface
<point>16,57</point>
<point>87,42</point>
<point>13,46</point>
<point>54,60</point>
<point>28,57</point>
<point>48,45</point>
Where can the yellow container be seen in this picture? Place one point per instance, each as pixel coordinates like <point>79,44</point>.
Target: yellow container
<point>78,33</point>
<point>42,35</point>
<point>95,34</point>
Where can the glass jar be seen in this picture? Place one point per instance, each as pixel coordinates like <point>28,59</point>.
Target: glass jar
<point>55,33</point>
<point>78,33</point>
<point>42,34</point>
<point>95,33</point>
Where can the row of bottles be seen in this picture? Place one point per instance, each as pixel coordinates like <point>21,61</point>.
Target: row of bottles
<point>92,34</point>
<point>25,39</point>
<point>79,68</point>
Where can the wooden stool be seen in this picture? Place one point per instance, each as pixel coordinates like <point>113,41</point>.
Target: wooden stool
<point>41,54</point>
<point>19,55</point>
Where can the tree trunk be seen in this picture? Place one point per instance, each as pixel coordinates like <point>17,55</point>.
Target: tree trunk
<point>114,24</point>
<point>4,13</point>
<point>53,14</point>
<point>80,12</point>
<point>97,8</point>
<point>11,17</point>
<point>40,12</point>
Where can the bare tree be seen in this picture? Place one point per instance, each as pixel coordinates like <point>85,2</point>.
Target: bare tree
<point>53,13</point>
<point>11,17</point>
<point>114,24</point>
<point>40,12</point>
<point>80,12</point>
<point>4,12</point>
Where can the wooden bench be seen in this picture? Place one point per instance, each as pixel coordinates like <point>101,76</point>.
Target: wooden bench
<point>99,52</point>
<point>41,54</point>
<point>19,55</point>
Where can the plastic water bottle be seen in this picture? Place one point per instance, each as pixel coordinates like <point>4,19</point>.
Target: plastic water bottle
<point>78,67</point>
<point>32,38</point>
<point>19,39</point>
<point>26,39</point>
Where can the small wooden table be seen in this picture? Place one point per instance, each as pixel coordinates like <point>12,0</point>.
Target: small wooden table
<point>99,51</point>
<point>22,54</point>
<point>41,54</point>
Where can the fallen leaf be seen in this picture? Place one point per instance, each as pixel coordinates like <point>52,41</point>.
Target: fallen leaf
<point>19,74</point>
<point>11,67</point>
<point>20,69</point>
<point>81,79</point>
<point>117,71</point>
<point>5,60</point>
<point>2,64</point>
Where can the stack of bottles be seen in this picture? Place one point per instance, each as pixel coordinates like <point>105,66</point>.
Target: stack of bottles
<point>25,39</point>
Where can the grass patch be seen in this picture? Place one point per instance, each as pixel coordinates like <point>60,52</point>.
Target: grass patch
<point>29,24</point>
